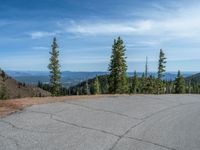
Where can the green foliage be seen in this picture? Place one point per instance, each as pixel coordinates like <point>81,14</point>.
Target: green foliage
<point>54,68</point>
<point>161,71</point>
<point>161,64</point>
<point>96,86</point>
<point>117,68</point>
<point>4,93</point>
<point>146,68</point>
<point>86,89</point>
<point>150,85</point>
<point>142,84</point>
<point>135,84</point>
<point>179,84</point>
<point>47,87</point>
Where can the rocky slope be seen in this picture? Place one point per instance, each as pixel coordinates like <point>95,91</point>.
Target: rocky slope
<point>10,88</point>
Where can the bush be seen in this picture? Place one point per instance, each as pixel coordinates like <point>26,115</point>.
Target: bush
<point>3,93</point>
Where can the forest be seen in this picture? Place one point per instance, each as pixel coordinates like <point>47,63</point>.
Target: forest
<point>117,82</point>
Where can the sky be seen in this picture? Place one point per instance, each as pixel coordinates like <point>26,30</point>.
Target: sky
<point>85,31</point>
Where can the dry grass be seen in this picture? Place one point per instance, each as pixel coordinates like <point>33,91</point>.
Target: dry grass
<point>10,106</point>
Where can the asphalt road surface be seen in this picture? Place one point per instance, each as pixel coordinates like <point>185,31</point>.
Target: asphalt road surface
<point>141,122</point>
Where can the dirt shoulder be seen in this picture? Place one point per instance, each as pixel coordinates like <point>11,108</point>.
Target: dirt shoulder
<point>8,107</point>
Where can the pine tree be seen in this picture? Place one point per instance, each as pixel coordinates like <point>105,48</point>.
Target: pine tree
<point>86,88</point>
<point>179,84</point>
<point>142,84</point>
<point>54,68</point>
<point>135,83</point>
<point>161,65</point>
<point>96,86</point>
<point>150,85</point>
<point>117,68</point>
<point>146,68</point>
<point>161,71</point>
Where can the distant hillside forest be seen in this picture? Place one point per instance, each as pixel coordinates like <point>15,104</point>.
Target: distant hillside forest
<point>117,82</point>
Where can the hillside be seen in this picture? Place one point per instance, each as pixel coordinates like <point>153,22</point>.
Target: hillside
<point>10,88</point>
<point>144,86</point>
<point>193,78</point>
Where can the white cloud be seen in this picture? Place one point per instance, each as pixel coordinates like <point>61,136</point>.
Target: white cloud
<point>110,28</point>
<point>177,24</point>
<point>40,34</point>
<point>143,44</point>
<point>40,48</point>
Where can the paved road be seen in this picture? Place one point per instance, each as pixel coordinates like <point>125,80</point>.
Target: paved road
<point>141,122</point>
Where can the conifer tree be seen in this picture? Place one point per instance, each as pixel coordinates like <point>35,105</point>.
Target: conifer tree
<point>161,65</point>
<point>146,68</point>
<point>150,85</point>
<point>135,83</point>
<point>117,68</point>
<point>96,86</point>
<point>142,83</point>
<point>86,88</point>
<point>54,68</point>
<point>179,84</point>
<point>161,71</point>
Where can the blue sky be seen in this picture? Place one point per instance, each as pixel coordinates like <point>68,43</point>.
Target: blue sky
<point>85,31</point>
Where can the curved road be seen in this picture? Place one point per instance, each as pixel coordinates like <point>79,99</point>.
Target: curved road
<point>141,122</point>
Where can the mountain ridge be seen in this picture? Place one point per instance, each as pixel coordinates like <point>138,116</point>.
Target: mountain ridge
<point>71,78</point>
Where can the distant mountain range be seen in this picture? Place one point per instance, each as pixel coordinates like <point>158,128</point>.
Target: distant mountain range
<point>72,78</point>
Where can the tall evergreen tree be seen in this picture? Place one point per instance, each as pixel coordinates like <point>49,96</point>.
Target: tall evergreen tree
<point>161,71</point>
<point>179,84</point>
<point>135,83</point>
<point>146,68</point>
<point>96,86</point>
<point>142,83</point>
<point>149,87</point>
<point>54,68</point>
<point>117,68</point>
<point>86,88</point>
<point>161,65</point>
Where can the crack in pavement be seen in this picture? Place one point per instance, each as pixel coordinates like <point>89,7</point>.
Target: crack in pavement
<point>100,110</point>
<point>11,139</point>
<point>85,127</point>
<point>24,129</point>
<point>168,108</point>
<point>51,116</point>
<point>41,112</point>
<point>145,141</point>
<point>158,99</point>
<point>123,135</point>
<point>145,119</point>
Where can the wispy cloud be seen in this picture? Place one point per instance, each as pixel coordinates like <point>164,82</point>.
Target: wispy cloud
<point>40,48</point>
<point>109,28</point>
<point>40,34</point>
<point>142,44</point>
<point>181,23</point>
